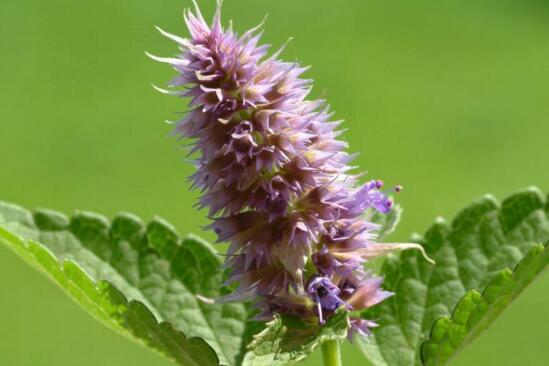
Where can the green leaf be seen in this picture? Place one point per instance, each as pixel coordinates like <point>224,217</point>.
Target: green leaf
<point>474,312</point>
<point>474,255</point>
<point>252,329</point>
<point>141,281</point>
<point>288,339</point>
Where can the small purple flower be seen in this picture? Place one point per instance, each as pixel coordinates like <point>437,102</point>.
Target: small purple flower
<point>361,327</point>
<point>275,177</point>
<point>325,295</point>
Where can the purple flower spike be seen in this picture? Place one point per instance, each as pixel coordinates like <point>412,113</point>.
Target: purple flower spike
<point>275,178</point>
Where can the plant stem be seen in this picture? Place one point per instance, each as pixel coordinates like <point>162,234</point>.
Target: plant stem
<point>331,353</point>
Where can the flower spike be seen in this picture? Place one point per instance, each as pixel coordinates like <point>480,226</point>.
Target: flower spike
<point>275,178</point>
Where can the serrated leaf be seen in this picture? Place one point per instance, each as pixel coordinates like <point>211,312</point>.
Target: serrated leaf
<point>474,312</point>
<point>141,281</point>
<point>475,252</point>
<point>287,340</point>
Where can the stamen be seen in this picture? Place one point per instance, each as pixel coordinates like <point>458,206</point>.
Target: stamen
<point>396,189</point>
<point>319,307</point>
<point>205,300</point>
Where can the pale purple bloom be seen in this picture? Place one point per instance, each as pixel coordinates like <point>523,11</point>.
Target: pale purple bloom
<point>325,295</point>
<point>275,178</point>
<point>361,327</point>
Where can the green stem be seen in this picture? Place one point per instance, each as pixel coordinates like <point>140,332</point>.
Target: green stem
<point>331,353</point>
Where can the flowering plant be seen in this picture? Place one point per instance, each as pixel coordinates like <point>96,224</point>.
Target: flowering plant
<point>301,230</point>
<point>276,179</point>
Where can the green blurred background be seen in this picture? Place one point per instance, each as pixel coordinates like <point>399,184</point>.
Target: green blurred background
<point>448,98</point>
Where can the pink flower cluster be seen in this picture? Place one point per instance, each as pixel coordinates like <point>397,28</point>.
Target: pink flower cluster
<point>275,178</point>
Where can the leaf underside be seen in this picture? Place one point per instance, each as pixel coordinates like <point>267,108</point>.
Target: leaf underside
<point>141,281</point>
<point>439,309</point>
<point>287,340</point>
<point>474,312</point>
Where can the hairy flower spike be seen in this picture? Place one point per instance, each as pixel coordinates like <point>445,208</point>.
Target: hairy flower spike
<point>275,178</point>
